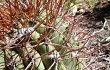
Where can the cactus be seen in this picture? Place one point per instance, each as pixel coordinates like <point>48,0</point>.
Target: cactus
<point>38,35</point>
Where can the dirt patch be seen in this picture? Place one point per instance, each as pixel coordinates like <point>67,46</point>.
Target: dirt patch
<point>96,22</point>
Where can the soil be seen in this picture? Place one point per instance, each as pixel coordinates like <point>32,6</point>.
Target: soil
<point>95,20</point>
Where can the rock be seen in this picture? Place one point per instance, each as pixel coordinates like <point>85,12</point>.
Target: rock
<point>102,9</point>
